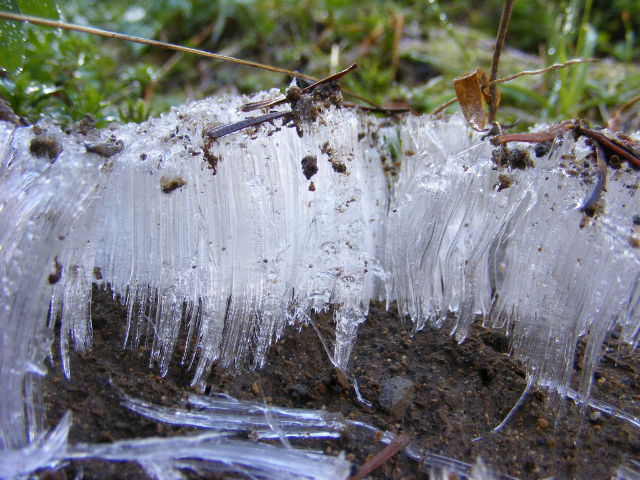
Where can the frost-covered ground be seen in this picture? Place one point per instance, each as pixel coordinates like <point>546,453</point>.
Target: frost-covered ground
<point>234,239</point>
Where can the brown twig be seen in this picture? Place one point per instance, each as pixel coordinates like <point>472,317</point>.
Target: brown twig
<point>348,92</point>
<point>173,60</point>
<point>611,144</point>
<point>398,25</point>
<point>590,203</point>
<point>617,146</point>
<point>555,66</point>
<point>331,78</point>
<point>268,103</point>
<point>248,107</point>
<point>497,51</point>
<point>549,134</point>
<point>292,96</point>
<point>194,41</point>
<point>629,104</point>
<point>154,43</point>
<point>234,127</point>
<point>384,110</point>
<point>382,456</point>
<point>615,118</point>
<point>444,105</point>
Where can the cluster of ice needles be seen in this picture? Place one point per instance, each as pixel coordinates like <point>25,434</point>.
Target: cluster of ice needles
<point>232,240</point>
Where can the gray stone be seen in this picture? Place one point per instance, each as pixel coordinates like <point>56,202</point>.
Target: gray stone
<point>299,392</point>
<point>396,394</point>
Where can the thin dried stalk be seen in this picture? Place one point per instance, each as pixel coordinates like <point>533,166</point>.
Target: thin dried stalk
<point>555,66</point>
<point>497,51</point>
<point>154,43</point>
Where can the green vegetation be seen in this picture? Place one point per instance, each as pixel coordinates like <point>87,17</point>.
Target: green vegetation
<point>408,53</point>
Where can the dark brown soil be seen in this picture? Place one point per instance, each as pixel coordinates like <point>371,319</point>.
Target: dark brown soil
<point>462,393</point>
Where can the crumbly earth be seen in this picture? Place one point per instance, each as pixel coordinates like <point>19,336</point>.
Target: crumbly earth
<point>462,392</point>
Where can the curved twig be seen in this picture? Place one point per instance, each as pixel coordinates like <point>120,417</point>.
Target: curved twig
<point>154,43</point>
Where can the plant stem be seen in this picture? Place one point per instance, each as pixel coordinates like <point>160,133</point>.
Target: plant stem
<point>497,51</point>
<point>382,456</point>
<point>154,43</point>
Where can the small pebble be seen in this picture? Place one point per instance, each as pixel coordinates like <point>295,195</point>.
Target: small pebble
<point>594,416</point>
<point>338,377</point>
<point>396,394</point>
<point>541,424</point>
<point>395,367</point>
<point>107,148</point>
<point>299,392</point>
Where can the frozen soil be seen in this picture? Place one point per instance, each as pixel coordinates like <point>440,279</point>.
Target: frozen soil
<point>462,392</point>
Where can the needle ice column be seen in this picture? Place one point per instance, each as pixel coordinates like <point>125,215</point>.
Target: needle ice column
<point>512,245</point>
<point>233,239</point>
<point>450,210</point>
<point>44,189</point>
<point>567,275</point>
<point>229,236</point>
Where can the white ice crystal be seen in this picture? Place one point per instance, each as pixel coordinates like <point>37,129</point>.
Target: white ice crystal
<point>557,275</point>
<point>239,251</point>
<point>164,458</point>
<point>39,201</point>
<point>232,240</point>
<point>228,414</point>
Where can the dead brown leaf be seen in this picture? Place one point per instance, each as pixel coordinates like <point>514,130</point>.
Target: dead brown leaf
<point>467,88</point>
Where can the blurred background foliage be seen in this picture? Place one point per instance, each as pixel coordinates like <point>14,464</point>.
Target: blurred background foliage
<point>408,53</point>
